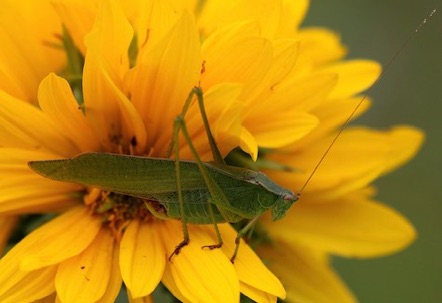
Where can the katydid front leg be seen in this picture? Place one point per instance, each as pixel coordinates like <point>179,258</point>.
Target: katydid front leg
<point>241,234</point>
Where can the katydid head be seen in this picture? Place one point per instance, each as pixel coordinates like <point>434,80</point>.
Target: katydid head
<point>282,204</point>
<point>284,197</point>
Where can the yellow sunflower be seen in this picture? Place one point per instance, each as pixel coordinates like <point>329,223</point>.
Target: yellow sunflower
<point>125,69</point>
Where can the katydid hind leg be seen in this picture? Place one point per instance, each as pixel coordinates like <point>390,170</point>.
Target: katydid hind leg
<point>186,106</point>
<point>213,146</point>
<point>214,189</point>
<point>186,239</point>
<point>197,91</point>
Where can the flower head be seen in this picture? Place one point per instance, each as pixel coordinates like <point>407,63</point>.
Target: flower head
<point>272,91</point>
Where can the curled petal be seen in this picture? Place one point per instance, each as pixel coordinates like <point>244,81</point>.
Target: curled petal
<point>22,125</point>
<point>67,114</point>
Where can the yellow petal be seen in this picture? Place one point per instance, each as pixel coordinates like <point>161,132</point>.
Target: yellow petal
<point>285,53</point>
<point>152,21</point>
<point>198,274</point>
<point>353,77</point>
<point>306,276</point>
<point>57,101</point>
<point>319,46</point>
<point>32,199</point>
<point>257,295</point>
<point>108,69</point>
<point>115,282</point>
<point>132,125</point>
<point>107,47</point>
<point>293,14</point>
<point>279,19</point>
<point>351,226</point>
<point>169,282</point>
<point>147,299</point>
<point>218,13</point>
<point>332,114</point>
<point>287,105</point>
<point>249,267</point>
<point>49,299</point>
<point>39,283</point>
<point>35,195</point>
<point>405,141</point>
<point>85,277</point>
<point>248,144</point>
<point>142,258</point>
<point>302,93</point>
<point>15,159</point>
<point>231,55</point>
<point>43,245</point>
<point>78,17</point>
<point>29,51</point>
<point>22,190</point>
<point>283,129</point>
<point>29,286</point>
<point>228,129</point>
<point>224,113</point>
<point>372,153</point>
<point>23,125</point>
<point>160,83</point>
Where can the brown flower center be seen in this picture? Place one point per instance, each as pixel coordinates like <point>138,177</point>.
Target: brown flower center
<point>116,210</point>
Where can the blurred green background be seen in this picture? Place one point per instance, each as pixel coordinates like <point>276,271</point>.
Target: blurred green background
<point>410,93</point>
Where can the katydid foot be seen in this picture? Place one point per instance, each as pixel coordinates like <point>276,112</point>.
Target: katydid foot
<point>213,246</point>
<point>178,248</point>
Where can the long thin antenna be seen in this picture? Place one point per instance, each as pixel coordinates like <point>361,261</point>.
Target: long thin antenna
<point>343,126</point>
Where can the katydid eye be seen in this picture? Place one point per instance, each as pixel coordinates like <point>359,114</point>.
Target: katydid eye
<point>289,197</point>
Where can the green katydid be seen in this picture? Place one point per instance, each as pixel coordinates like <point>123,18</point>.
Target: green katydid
<point>191,191</point>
